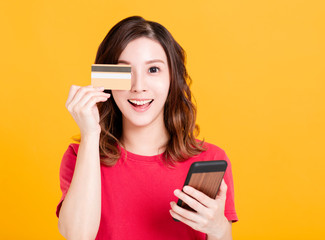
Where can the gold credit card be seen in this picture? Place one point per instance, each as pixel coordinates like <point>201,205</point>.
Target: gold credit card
<point>111,76</point>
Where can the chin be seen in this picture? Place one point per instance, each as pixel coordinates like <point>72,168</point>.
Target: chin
<point>139,123</point>
<point>146,121</point>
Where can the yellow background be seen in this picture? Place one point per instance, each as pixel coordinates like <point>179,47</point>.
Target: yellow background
<point>258,79</point>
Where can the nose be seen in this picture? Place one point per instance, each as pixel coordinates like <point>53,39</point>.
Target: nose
<point>138,81</point>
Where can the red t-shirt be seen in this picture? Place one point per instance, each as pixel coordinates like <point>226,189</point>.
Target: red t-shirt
<point>136,193</point>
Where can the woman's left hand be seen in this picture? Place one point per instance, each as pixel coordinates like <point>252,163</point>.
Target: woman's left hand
<point>209,217</point>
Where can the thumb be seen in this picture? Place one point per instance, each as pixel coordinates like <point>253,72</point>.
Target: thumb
<point>222,194</point>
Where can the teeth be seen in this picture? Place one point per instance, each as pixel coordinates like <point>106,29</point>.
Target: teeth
<point>139,102</point>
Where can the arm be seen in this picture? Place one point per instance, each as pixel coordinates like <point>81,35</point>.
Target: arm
<point>80,212</point>
<point>227,236</point>
<point>81,209</point>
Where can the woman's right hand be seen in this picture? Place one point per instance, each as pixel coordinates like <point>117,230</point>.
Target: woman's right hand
<point>81,104</point>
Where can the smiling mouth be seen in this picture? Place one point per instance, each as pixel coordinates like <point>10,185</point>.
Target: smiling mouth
<point>141,103</point>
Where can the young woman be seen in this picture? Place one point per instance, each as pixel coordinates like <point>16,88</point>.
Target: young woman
<point>123,179</point>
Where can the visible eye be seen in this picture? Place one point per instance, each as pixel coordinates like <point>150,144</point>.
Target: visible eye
<point>153,69</point>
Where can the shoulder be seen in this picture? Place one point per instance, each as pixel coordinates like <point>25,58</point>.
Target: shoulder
<point>69,157</point>
<point>212,151</point>
<point>73,149</point>
<point>212,147</point>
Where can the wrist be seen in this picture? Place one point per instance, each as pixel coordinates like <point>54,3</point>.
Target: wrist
<point>224,234</point>
<point>90,135</point>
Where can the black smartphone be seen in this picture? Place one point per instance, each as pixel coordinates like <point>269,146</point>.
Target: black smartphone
<point>205,176</point>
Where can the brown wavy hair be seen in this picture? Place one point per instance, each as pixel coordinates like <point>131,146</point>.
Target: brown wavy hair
<point>179,110</point>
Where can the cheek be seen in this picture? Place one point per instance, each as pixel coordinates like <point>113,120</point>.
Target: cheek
<point>162,87</point>
<point>165,90</point>
<point>118,94</point>
<point>118,97</point>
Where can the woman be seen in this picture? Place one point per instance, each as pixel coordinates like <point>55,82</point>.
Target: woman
<point>136,146</point>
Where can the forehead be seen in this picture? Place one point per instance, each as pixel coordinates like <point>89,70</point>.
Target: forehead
<point>143,49</point>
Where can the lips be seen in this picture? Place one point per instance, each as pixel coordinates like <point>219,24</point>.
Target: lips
<point>140,105</point>
<point>140,102</point>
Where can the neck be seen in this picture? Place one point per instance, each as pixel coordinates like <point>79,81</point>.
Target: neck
<point>147,141</point>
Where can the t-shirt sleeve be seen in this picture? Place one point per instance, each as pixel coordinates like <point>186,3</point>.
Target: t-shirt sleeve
<point>230,211</point>
<point>66,172</point>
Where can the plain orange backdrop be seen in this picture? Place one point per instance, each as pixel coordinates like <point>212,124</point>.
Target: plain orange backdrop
<point>258,79</point>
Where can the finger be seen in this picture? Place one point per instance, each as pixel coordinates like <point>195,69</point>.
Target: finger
<point>89,95</point>
<point>72,92</point>
<point>80,94</point>
<point>194,204</point>
<point>222,194</point>
<point>92,101</point>
<point>199,196</point>
<point>184,213</point>
<point>184,220</point>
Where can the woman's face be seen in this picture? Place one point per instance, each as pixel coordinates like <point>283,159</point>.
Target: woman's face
<point>143,105</point>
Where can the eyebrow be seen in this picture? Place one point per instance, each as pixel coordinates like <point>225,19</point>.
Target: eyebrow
<point>147,62</point>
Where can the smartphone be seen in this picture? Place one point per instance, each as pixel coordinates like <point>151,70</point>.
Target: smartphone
<point>205,176</point>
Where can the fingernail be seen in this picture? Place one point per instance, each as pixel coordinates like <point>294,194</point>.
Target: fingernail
<point>185,188</point>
